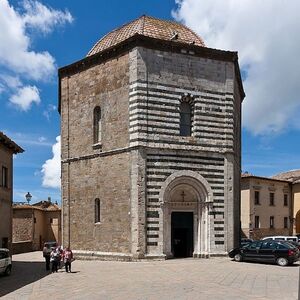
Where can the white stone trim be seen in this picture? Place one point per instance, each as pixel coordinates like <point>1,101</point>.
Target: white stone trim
<point>200,210</point>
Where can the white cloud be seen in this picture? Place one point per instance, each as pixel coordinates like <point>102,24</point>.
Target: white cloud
<point>15,52</point>
<point>44,18</point>
<point>265,35</point>
<point>25,96</point>
<point>42,139</point>
<point>51,168</point>
<point>10,81</point>
<point>18,61</point>
<point>48,112</point>
<point>27,139</point>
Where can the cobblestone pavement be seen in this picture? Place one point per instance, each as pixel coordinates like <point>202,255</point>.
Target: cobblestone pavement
<point>216,278</point>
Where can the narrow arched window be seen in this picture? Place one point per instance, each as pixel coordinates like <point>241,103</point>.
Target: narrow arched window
<point>97,210</point>
<point>97,125</point>
<point>185,119</point>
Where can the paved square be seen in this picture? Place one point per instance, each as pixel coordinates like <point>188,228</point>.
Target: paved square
<point>217,278</point>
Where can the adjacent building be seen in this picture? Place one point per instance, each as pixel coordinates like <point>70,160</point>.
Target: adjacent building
<point>7,149</point>
<point>293,177</point>
<point>266,207</point>
<point>150,131</point>
<point>35,224</point>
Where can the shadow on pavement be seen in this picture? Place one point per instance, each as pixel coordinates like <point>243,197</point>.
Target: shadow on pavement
<point>23,273</point>
<point>295,264</point>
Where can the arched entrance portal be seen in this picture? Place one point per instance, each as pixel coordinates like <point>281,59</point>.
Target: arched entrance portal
<point>185,199</point>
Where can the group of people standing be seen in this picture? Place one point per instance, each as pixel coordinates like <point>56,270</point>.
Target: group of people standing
<point>56,255</point>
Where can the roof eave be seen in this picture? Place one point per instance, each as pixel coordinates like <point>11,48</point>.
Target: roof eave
<point>154,43</point>
<point>10,144</point>
<point>264,178</point>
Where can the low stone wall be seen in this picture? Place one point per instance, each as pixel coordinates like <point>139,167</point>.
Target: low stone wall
<point>21,247</point>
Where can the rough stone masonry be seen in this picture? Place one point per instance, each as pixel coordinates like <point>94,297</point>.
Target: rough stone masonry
<point>151,156</point>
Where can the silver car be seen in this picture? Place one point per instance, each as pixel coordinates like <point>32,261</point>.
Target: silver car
<point>5,261</point>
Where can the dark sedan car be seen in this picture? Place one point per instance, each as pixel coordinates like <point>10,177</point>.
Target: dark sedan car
<point>245,242</point>
<point>296,244</point>
<point>278,252</point>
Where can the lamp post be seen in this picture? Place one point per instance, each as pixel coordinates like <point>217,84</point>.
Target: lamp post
<point>28,197</point>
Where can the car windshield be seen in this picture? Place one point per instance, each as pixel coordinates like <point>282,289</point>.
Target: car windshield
<point>50,245</point>
<point>285,246</point>
<point>291,244</point>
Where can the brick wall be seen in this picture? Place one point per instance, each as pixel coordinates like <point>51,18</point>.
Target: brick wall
<point>22,225</point>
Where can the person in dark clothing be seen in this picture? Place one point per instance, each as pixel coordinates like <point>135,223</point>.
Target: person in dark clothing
<point>46,254</point>
<point>47,258</point>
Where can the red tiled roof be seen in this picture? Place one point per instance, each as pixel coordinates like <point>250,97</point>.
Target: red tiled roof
<point>292,176</point>
<point>42,205</point>
<point>150,27</point>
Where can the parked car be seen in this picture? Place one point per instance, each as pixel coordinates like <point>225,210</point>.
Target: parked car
<point>245,241</point>
<point>5,261</point>
<point>281,238</point>
<point>296,244</point>
<point>47,247</point>
<point>280,252</point>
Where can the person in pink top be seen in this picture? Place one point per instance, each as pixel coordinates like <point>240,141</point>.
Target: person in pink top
<point>68,258</point>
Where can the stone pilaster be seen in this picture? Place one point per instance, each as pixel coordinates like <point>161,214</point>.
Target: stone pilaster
<point>138,203</point>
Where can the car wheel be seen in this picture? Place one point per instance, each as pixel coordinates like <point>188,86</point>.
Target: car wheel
<point>281,261</point>
<point>238,257</point>
<point>7,271</point>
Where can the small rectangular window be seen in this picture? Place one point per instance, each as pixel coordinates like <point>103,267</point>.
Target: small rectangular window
<point>272,203</point>
<point>272,222</point>
<point>256,197</point>
<point>256,222</point>
<point>285,222</point>
<point>5,177</point>
<point>34,220</point>
<point>51,220</point>
<point>285,200</point>
<point>97,210</point>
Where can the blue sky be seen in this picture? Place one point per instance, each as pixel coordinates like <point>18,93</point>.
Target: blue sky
<point>66,30</point>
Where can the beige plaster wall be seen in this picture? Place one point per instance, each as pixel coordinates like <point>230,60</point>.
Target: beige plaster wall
<point>264,210</point>
<point>6,197</point>
<point>296,207</point>
<point>53,230</point>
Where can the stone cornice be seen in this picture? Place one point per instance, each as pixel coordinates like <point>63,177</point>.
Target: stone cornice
<point>118,151</point>
<point>151,43</point>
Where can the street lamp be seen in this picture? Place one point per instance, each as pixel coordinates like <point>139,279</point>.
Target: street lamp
<point>28,197</point>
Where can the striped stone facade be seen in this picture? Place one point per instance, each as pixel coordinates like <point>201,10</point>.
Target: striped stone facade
<point>163,173</point>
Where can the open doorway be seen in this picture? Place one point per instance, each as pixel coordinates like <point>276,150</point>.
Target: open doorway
<point>182,241</point>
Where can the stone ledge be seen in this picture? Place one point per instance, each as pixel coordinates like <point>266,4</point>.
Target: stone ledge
<point>155,257</point>
<point>115,256</point>
<point>209,255</point>
<point>106,256</point>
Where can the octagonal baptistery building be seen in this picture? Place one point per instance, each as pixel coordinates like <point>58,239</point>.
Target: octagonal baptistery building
<point>150,143</point>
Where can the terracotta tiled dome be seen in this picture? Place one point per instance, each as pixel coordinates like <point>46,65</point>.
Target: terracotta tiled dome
<point>150,27</point>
